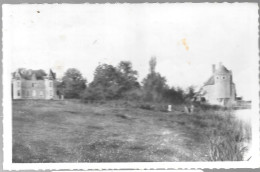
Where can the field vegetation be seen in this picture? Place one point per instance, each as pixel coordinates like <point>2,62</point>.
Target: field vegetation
<point>121,131</point>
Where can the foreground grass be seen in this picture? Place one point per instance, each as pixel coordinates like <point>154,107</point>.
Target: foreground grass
<point>70,131</point>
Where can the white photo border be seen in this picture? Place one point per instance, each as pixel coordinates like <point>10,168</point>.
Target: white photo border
<point>7,137</point>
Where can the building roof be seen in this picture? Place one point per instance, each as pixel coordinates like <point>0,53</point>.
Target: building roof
<point>29,74</point>
<point>222,70</point>
<point>210,81</point>
<point>52,75</point>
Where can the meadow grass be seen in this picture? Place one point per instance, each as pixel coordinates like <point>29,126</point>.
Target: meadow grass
<point>120,131</point>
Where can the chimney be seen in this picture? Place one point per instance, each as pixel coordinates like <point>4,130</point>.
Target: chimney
<point>213,68</point>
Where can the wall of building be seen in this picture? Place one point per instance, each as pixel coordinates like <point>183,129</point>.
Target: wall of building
<point>223,85</point>
<point>33,89</point>
<point>209,96</point>
<point>49,89</point>
<point>223,92</point>
<point>16,89</point>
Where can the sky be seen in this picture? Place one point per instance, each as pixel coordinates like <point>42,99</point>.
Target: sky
<point>185,38</point>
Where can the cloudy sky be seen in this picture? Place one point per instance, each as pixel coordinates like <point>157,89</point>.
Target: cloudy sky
<point>186,39</point>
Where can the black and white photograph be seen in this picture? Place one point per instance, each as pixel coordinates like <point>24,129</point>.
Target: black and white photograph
<point>130,84</point>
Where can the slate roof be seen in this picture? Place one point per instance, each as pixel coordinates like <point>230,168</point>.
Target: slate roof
<point>52,74</point>
<point>210,81</point>
<point>222,70</point>
<point>28,74</point>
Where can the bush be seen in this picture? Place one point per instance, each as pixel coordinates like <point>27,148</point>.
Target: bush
<point>173,95</point>
<point>92,94</point>
<point>146,106</point>
<point>205,107</point>
<point>135,94</point>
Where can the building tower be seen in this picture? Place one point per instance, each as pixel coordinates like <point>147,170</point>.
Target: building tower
<point>16,86</point>
<point>49,81</point>
<point>223,84</point>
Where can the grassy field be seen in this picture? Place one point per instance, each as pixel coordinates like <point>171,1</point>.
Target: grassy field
<point>70,131</point>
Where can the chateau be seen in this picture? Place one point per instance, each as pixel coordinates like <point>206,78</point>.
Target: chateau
<point>33,84</point>
<point>219,89</point>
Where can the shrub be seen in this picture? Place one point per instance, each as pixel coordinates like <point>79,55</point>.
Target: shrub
<point>92,94</point>
<point>135,94</point>
<point>173,95</point>
<point>146,106</point>
<point>209,107</point>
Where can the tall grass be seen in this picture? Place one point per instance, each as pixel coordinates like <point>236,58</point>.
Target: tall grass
<point>227,141</point>
<point>226,148</point>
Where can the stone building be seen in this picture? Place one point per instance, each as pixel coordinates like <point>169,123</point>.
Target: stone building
<point>33,84</point>
<point>219,89</point>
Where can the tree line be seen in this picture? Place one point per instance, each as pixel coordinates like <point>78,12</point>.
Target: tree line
<point>121,82</point>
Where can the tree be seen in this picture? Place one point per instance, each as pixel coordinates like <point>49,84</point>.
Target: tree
<point>154,84</point>
<point>127,77</point>
<point>173,95</point>
<point>93,94</point>
<point>112,82</point>
<point>106,79</point>
<point>73,83</point>
<point>152,64</point>
<point>190,93</point>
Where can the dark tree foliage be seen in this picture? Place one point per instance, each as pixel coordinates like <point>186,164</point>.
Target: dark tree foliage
<point>121,82</point>
<point>154,84</point>
<point>73,84</point>
<point>127,77</point>
<point>93,94</point>
<point>152,64</point>
<point>60,88</point>
<point>190,93</point>
<point>112,82</point>
<point>106,82</point>
<point>172,95</point>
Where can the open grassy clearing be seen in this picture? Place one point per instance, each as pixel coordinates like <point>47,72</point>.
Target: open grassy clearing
<point>70,131</point>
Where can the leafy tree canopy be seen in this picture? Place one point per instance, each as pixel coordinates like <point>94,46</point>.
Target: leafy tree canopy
<point>73,83</point>
<point>154,84</point>
<point>113,82</point>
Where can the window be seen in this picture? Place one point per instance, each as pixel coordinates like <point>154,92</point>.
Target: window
<point>18,93</point>
<point>223,77</point>
<point>27,93</point>
<point>33,93</point>
<point>217,77</point>
<point>50,93</point>
<point>18,84</point>
<point>50,84</point>
<point>41,93</point>
<point>32,84</point>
